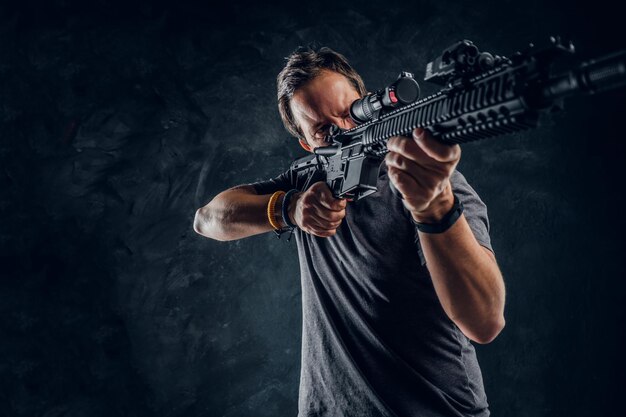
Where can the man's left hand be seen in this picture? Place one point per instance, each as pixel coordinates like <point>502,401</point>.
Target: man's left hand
<point>420,168</point>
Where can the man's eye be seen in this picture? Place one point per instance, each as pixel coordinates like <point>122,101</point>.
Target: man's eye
<point>322,131</point>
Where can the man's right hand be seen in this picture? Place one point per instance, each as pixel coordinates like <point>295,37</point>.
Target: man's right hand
<point>316,211</point>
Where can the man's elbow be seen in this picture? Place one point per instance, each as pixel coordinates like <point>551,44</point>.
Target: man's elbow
<point>202,224</point>
<point>488,331</point>
<point>198,222</point>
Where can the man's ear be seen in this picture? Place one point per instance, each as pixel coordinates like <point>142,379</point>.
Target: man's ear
<point>305,145</point>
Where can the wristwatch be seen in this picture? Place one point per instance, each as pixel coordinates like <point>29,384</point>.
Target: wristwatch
<point>445,223</point>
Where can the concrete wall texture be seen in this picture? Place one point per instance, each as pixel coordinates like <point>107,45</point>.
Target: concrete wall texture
<point>119,121</point>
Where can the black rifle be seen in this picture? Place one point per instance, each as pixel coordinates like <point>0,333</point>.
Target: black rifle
<point>483,96</point>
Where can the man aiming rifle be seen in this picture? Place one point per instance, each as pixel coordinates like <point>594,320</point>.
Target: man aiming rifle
<point>394,288</point>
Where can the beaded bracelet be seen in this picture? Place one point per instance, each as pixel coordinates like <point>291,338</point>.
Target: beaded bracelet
<point>271,209</point>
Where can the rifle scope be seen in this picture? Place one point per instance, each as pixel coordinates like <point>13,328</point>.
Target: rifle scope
<point>403,91</point>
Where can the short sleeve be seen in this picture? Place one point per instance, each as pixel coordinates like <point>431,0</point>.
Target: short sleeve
<point>283,182</point>
<point>475,210</point>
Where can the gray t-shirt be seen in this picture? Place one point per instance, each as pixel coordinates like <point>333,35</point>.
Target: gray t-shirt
<point>376,341</point>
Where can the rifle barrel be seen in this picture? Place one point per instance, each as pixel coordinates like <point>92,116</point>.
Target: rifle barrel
<point>594,76</point>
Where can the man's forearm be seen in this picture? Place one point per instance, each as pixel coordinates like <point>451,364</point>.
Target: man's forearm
<point>233,214</point>
<point>467,281</point>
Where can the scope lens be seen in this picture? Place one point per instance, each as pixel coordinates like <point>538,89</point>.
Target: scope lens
<point>407,90</point>
<point>361,109</point>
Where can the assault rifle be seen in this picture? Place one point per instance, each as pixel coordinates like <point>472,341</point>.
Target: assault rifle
<point>482,96</point>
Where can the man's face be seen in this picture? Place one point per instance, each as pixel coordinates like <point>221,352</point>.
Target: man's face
<point>323,101</point>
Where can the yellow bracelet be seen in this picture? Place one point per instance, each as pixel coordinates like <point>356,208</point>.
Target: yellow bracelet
<point>271,209</point>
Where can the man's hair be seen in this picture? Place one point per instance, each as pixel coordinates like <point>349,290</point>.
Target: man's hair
<point>304,64</point>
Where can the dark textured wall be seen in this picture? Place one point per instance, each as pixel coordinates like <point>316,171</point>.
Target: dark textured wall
<point>119,121</point>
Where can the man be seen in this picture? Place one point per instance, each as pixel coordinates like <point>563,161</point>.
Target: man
<point>389,308</point>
